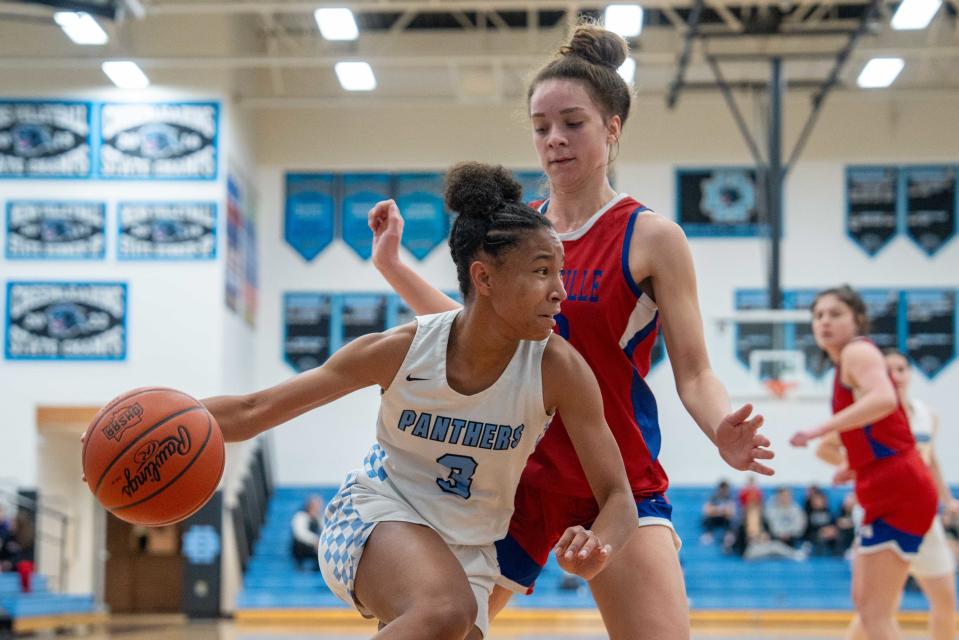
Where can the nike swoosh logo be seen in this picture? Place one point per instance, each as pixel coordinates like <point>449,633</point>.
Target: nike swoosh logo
<point>410,378</point>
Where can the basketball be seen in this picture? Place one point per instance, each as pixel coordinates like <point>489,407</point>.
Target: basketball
<point>153,456</point>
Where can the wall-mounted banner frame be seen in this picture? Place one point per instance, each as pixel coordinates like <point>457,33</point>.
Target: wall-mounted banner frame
<point>420,199</point>
<point>166,230</point>
<point>872,202</point>
<point>306,329</point>
<point>752,336</point>
<point>50,230</point>
<point>360,192</point>
<point>66,321</point>
<point>535,185</point>
<point>359,314</point>
<point>931,206</point>
<point>718,202</point>
<point>398,312</point>
<point>884,312</point>
<point>160,140</point>
<point>309,213</point>
<point>929,328</point>
<point>45,139</point>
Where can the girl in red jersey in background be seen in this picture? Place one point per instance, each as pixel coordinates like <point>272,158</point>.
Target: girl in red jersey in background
<point>892,483</point>
<point>626,270</point>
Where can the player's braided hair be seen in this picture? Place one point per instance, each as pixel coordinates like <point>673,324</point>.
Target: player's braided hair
<point>491,216</point>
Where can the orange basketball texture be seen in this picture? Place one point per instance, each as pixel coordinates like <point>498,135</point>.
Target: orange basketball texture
<point>153,456</point>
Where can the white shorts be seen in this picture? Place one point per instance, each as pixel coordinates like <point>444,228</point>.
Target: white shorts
<point>350,518</point>
<point>935,557</point>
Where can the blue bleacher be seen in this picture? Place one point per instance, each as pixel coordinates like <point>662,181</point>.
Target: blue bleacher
<point>714,581</point>
<point>40,602</point>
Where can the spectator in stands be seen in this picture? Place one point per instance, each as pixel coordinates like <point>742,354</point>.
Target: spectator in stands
<point>846,523</point>
<point>752,539</point>
<point>719,512</point>
<point>6,538</point>
<point>307,524</point>
<point>750,492</point>
<point>821,530</point>
<point>785,518</point>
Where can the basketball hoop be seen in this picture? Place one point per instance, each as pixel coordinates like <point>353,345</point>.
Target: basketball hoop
<point>780,389</point>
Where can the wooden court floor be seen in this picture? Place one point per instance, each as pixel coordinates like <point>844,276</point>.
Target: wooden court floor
<point>177,629</point>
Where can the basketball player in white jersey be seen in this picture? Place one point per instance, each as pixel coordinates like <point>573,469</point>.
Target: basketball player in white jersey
<point>466,396</point>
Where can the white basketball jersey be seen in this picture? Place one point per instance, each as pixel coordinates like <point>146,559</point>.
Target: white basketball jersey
<point>454,459</point>
<point>920,420</point>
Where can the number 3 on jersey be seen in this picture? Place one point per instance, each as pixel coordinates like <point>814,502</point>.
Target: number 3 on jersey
<point>461,469</point>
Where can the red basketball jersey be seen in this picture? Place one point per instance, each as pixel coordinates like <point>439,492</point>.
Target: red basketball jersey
<point>892,482</point>
<point>613,325</point>
<point>884,438</point>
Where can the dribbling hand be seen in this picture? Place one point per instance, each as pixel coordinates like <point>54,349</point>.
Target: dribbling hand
<point>740,444</point>
<point>581,553</point>
<point>387,225</point>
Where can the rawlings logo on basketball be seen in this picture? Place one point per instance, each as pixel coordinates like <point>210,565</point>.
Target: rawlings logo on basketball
<point>152,457</point>
<point>122,419</point>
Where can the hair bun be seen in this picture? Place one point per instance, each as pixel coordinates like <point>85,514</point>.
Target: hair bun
<point>477,190</point>
<point>597,45</point>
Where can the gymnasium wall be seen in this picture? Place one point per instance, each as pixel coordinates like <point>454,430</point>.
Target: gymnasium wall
<point>854,128</point>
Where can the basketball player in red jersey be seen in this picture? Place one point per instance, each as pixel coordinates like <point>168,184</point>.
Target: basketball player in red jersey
<point>626,270</point>
<point>893,485</point>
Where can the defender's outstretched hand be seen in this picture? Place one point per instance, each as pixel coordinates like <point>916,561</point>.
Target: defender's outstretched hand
<point>740,444</point>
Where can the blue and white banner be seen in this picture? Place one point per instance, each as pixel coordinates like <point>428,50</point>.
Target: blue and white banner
<point>40,139</point>
<point>930,328</point>
<point>144,141</point>
<point>718,202</point>
<point>360,314</point>
<point>52,230</point>
<point>420,199</point>
<point>308,221</point>
<point>360,192</point>
<point>931,206</point>
<point>535,185</point>
<point>66,321</point>
<point>872,195</point>
<point>166,230</point>
<point>306,324</point>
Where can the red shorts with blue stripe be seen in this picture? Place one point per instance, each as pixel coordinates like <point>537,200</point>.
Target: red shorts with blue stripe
<point>899,499</point>
<point>540,519</point>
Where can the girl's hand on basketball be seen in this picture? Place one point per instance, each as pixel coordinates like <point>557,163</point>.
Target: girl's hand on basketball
<point>580,552</point>
<point>387,225</point>
<point>843,475</point>
<point>740,444</point>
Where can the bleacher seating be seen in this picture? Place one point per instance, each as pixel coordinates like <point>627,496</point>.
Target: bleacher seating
<point>40,602</point>
<point>714,581</point>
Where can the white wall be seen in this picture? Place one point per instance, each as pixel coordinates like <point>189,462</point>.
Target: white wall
<point>855,127</point>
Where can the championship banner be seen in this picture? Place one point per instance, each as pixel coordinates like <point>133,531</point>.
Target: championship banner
<point>721,202</point>
<point>871,206</point>
<point>799,335</point>
<point>360,192</point>
<point>420,199</point>
<point>241,266</point>
<point>751,336</point>
<point>930,329</point>
<point>535,185</point>
<point>66,321</point>
<point>398,312</point>
<point>361,314</point>
<point>308,219</point>
<point>883,311</point>
<point>306,323</point>
<point>50,230</point>
<point>931,207</point>
<point>158,141</point>
<point>166,230</point>
<point>45,139</point>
